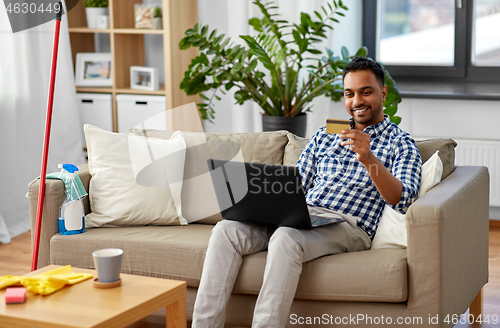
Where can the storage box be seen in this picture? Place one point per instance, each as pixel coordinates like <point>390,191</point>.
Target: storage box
<point>96,109</point>
<point>139,111</point>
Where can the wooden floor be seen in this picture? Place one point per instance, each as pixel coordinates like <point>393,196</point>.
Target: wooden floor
<point>15,259</point>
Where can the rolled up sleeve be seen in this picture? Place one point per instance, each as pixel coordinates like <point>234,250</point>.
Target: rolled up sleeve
<point>407,168</point>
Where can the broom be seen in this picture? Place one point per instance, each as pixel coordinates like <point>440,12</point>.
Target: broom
<point>48,123</point>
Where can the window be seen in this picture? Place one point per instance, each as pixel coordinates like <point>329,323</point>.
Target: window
<point>486,33</point>
<point>435,39</point>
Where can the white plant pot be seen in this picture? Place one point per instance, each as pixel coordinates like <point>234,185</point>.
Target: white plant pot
<point>92,13</point>
<point>156,23</point>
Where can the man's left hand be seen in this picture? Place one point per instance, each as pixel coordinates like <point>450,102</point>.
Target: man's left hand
<point>359,143</point>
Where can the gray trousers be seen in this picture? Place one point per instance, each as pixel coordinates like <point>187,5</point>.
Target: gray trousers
<point>287,249</point>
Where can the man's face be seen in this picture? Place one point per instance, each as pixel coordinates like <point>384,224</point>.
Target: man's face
<point>364,97</point>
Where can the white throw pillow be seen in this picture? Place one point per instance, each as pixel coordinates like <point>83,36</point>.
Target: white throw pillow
<point>431,173</point>
<point>391,231</point>
<point>135,180</point>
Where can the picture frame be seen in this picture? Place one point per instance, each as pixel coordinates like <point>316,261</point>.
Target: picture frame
<point>93,69</point>
<point>143,15</point>
<point>144,78</point>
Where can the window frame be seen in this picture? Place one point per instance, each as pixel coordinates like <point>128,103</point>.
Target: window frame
<point>463,69</point>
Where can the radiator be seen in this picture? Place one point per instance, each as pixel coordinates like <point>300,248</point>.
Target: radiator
<point>482,153</point>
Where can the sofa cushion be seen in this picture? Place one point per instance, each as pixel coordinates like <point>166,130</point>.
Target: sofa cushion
<point>135,180</point>
<point>267,147</point>
<point>293,149</point>
<point>259,147</point>
<point>367,276</point>
<point>178,252</point>
<point>446,149</point>
<point>174,252</point>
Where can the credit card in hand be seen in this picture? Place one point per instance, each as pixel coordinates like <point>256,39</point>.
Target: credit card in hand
<point>336,126</point>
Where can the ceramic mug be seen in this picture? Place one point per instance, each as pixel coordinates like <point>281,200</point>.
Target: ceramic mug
<point>108,263</point>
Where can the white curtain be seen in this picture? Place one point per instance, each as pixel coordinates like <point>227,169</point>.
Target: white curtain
<point>231,18</point>
<point>25,63</point>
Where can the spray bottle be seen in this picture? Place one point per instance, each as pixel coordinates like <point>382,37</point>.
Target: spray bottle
<point>71,212</point>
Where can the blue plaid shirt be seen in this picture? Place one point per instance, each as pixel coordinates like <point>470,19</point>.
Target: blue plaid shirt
<point>333,178</point>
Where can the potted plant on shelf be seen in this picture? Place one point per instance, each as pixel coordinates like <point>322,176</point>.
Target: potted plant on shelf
<point>157,18</point>
<point>94,9</point>
<point>279,69</point>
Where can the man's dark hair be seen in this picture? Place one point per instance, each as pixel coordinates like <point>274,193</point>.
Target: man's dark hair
<point>361,64</point>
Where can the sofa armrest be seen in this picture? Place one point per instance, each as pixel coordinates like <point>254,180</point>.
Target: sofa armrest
<point>448,244</point>
<point>53,198</point>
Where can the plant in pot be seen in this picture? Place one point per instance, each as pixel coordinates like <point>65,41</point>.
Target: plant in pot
<point>157,17</point>
<point>94,9</point>
<point>280,68</point>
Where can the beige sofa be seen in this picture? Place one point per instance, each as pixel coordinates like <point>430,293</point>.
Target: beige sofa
<point>440,273</point>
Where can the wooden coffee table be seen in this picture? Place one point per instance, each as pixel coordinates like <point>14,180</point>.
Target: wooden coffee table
<point>82,305</point>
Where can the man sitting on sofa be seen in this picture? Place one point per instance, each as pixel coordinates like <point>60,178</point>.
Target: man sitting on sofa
<point>354,174</point>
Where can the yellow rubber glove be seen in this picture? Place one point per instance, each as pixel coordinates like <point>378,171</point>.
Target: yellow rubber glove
<point>51,281</point>
<point>61,270</point>
<point>70,278</point>
<point>6,281</point>
<point>41,285</point>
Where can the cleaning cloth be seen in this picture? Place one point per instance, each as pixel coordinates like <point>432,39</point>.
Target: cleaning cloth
<point>79,184</point>
<point>48,282</point>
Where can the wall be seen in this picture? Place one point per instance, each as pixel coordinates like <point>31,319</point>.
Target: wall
<point>458,119</point>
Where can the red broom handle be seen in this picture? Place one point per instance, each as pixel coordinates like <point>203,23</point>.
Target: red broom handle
<point>48,123</point>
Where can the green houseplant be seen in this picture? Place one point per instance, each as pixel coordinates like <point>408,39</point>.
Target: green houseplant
<point>93,9</point>
<point>158,13</point>
<point>279,68</point>
<point>157,17</point>
<point>95,3</point>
